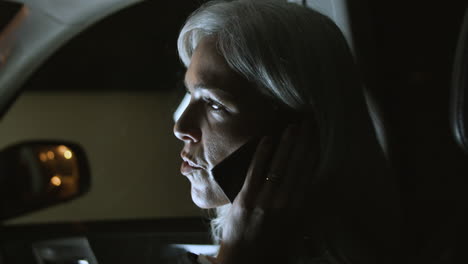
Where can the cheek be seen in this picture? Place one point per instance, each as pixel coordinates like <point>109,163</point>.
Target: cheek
<point>223,135</point>
<point>220,144</point>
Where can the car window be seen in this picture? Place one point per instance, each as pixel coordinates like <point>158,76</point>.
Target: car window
<point>113,90</point>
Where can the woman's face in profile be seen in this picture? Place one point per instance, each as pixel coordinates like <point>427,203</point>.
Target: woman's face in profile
<point>225,111</point>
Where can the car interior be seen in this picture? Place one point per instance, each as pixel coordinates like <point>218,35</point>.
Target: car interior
<point>90,89</point>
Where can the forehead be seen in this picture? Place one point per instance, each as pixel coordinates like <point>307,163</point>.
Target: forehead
<point>209,68</point>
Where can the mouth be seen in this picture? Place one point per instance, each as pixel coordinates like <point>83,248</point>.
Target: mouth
<point>187,167</point>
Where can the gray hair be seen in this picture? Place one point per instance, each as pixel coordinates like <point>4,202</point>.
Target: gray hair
<point>299,58</point>
<point>259,40</point>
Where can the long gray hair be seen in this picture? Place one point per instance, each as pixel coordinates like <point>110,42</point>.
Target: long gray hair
<point>299,58</point>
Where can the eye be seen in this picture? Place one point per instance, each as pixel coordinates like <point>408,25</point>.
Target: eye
<point>214,105</point>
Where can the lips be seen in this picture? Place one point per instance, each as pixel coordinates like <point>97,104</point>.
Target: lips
<point>186,169</point>
<point>188,166</point>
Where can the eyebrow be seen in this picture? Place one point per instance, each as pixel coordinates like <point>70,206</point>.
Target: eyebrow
<point>203,86</point>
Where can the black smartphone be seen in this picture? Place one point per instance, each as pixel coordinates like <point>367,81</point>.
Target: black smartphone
<point>230,173</point>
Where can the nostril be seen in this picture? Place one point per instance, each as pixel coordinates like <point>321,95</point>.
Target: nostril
<point>187,135</point>
<point>190,139</point>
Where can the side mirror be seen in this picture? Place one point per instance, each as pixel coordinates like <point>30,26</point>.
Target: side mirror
<point>39,174</point>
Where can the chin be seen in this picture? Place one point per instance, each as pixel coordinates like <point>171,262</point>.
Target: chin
<point>208,201</point>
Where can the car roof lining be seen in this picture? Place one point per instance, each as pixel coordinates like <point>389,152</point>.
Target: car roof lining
<point>35,34</point>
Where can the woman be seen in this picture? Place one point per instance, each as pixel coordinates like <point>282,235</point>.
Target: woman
<point>322,192</point>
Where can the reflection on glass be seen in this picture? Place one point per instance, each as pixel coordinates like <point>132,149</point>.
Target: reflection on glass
<point>56,181</point>
<point>68,154</point>
<point>60,165</point>
<point>62,149</point>
<point>50,154</point>
<point>43,157</point>
<point>44,173</point>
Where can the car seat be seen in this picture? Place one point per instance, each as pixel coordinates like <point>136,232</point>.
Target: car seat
<point>448,244</point>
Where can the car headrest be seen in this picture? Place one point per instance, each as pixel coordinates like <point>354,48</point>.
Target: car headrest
<point>459,93</point>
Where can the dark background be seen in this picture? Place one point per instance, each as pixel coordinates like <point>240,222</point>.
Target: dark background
<point>406,52</point>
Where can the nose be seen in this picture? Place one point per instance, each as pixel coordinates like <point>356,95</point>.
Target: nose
<point>187,127</point>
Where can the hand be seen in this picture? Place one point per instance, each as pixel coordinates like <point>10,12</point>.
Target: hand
<point>264,217</point>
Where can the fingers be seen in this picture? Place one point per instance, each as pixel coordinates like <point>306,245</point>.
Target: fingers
<point>302,166</point>
<point>279,179</point>
<point>265,206</point>
<point>294,163</point>
<point>293,173</point>
<point>278,167</point>
<point>255,175</point>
